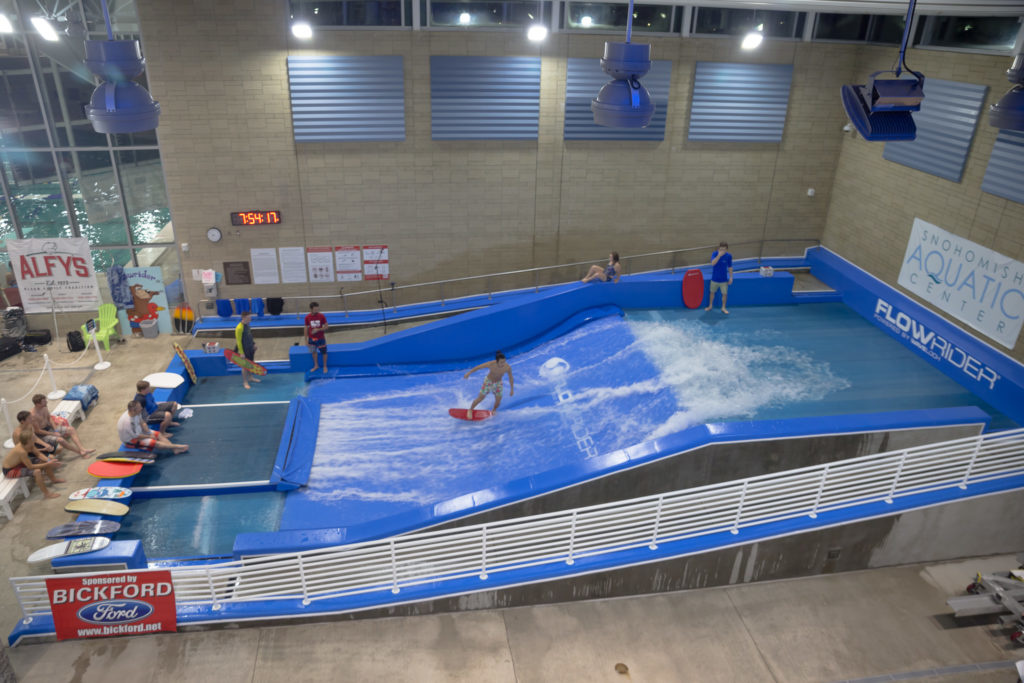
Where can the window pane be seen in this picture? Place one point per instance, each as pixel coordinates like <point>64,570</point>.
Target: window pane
<point>993,33</point>
<point>603,16</point>
<point>483,13</point>
<point>19,105</point>
<point>886,29</point>
<point>36,194</point>
<point>348,12</point>
<point>96,199</point>
<point>142,176</point>
<point>734,22</point>
<point>103,259</point>
<point>841,27</point>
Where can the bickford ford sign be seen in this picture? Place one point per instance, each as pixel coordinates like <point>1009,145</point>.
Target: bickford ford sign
<point>112,604</point>
<point>975,285</point>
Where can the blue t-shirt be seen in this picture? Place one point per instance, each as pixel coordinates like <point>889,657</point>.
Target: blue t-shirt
<point>720,271</point>
<point>148,403</point>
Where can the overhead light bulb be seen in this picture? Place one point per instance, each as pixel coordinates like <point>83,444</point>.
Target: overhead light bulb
<point>5,24</point>
<point>752,40</point>
<point>465,19</point>
<point>302,30</point>
<point>586,22</point>
<point>537,33</point>
<point>44,29</point>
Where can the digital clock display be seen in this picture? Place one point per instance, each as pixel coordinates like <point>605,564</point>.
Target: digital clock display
<point>255,217</point>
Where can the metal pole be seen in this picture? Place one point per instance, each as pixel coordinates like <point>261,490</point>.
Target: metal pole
<point>56,394</point>
<point>102,364</point>
<point>53,309</point>
<point>10,428</point>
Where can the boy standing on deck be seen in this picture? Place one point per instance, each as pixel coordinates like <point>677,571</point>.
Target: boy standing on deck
<point>316,325</point>
<point>721,275</point>
<point>496,370</point>
<point>246,345</point>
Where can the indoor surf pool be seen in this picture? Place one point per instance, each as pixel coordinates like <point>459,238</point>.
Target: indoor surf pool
<point>384,456</point>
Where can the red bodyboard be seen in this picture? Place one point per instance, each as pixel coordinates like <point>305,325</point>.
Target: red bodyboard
<point>470,415</point>
<point>693,289</point>
<point>114,470</point>
<point>244,363</point>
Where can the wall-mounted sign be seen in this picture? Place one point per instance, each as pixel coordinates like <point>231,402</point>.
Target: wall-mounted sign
<point>349,264</point>
<point>972,283</point>
<point>54,274</point>
<point>255,217</point>
<point>376,264</point>
<point>237,273</point>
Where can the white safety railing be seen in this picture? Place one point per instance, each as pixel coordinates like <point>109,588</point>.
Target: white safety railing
<point>387,566</point>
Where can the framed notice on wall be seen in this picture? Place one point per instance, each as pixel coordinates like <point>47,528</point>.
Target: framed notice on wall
<point>348,263</point>
<point>376,264</point>
<point>237,273</point>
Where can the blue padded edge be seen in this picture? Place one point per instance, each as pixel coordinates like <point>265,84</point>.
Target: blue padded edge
<point>887,309</point>
<point>298,445</point>
<point>261,543</point>
<point>233,612</point>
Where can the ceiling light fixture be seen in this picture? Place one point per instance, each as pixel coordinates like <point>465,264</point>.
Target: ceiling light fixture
<point>465,19</point>
<point>624,102</point>
<point>753,39</point>
<point>44,29</point>
<point>586,22</point>
<point>302,30</point>
<point>1008,112</point>
<point>118,105</point>
<point>881,110</point>
<point>537,33</point>
<point>5,24</point>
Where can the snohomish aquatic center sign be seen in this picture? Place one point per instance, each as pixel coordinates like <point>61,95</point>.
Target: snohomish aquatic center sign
<point>975,285</point>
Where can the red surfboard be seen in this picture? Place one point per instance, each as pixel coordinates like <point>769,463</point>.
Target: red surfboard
<point>693,288</point>
<point>114,470</point>
<point>244,363</point>
<point>471,415</point>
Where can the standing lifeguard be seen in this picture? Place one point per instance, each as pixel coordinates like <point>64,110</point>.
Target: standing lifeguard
<point>316,325</point>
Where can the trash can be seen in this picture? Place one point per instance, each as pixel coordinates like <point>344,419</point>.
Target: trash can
<point>149,329</point>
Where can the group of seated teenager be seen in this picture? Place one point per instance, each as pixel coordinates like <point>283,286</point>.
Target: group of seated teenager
<point>38,438</point>
<point>133,427</point>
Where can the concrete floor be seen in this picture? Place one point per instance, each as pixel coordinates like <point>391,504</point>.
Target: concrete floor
<point>888,623</point>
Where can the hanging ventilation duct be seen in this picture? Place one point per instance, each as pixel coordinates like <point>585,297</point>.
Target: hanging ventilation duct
<point>624,102</point>
<point>119,105</point>
<point>1008,112</point>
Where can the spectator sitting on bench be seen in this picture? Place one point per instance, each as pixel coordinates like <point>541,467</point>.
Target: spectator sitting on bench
<point>54,429</point>
<point>156,412</point>
<point>41,446</point>
<point>19,463</point>
<point>134,433</point>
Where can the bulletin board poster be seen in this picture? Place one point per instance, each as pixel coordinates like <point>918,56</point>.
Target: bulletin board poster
<point>348,263</point>
<point>376,265</point>
<point>54,274</point>
<point>149,301</point>
<point>293,264</point>
<point>264,266</point>
<point>320,261</point>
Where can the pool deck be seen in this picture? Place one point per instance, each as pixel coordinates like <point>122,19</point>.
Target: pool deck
<point>827,628</point>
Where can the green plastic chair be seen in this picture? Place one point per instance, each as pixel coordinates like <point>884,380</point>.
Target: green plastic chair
<point>106,325</point>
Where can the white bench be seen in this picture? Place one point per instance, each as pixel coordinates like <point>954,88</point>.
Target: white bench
<point>70,411</point>
<point>9,488</point>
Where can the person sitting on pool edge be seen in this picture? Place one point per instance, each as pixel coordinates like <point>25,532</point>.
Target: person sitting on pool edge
<point>18,462</point>
<point>721,275</point>
<point>610,273</point>
<point>134,433</point>
<point>163,412</point>
<point>54,429</point>
<point>496,369</point>
<point>316,325</point>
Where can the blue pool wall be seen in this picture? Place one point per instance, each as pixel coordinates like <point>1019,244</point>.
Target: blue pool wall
<point>958,422</point>
<point>970,361</point>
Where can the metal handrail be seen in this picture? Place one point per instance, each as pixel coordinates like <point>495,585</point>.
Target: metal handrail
<point>537,271</point>
<point>386,567</point>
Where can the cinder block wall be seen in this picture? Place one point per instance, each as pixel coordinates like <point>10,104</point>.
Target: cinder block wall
<point>874,201</point>
<point>450,209</point>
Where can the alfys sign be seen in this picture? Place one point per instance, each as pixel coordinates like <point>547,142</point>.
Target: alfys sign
<point>972,283</point>
<point>104,605</point>
<point>54,274</point>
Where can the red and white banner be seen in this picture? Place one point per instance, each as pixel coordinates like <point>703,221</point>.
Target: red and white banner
<point>104,605</point>
<point>348,264</point>
<point>375,262</point>
<point>54,274</point>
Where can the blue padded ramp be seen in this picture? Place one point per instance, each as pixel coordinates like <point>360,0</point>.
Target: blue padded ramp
<point>298,444</point>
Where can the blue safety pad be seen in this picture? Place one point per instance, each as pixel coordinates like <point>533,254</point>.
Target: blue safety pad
<point>274,386</point>
<point>227,444</point>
